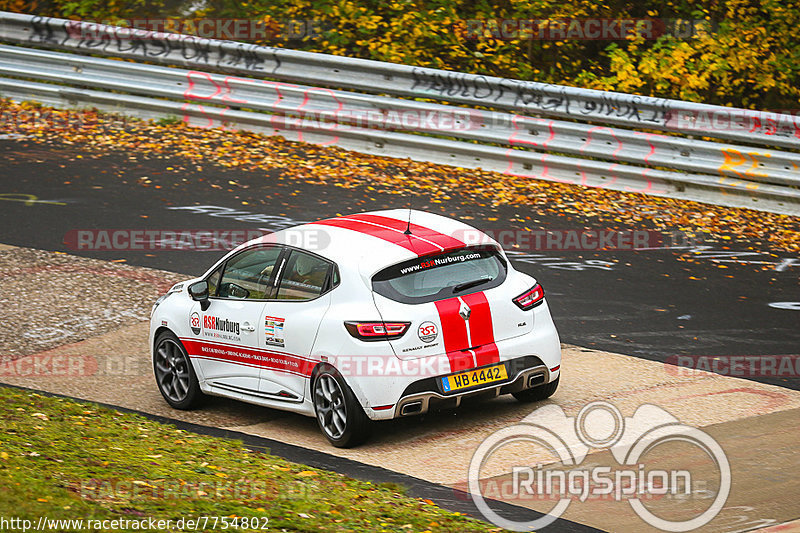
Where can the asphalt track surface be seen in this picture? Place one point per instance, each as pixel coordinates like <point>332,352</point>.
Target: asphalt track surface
<point>649,304</point>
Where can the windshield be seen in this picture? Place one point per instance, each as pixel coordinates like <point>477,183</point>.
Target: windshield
<point>431,278</point>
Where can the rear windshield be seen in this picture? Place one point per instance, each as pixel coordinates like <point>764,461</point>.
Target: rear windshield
<point>431,278</point>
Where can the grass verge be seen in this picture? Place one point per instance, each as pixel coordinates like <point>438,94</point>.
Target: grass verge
<point>63,459</point>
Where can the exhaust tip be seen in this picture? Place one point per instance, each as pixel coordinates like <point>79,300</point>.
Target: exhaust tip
<point>411,408</point>
<point>535,380</point>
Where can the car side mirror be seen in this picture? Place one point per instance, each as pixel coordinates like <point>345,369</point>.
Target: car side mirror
<point>199,293</point>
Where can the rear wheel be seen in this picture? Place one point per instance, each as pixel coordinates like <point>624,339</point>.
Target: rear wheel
<point>536,394</point>
<point>339,414</point>
<point>174,373</point>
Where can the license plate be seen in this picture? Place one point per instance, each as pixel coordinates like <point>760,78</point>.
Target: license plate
<point>479,376</point>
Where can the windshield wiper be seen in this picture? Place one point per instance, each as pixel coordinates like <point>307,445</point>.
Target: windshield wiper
<point>470,284</point>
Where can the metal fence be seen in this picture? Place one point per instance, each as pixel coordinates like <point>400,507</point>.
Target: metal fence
<point>522,129</point>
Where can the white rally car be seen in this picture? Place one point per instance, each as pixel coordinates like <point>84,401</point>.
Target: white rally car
<point>364,317</point>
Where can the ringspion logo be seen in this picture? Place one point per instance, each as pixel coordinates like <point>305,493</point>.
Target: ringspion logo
<point>629,477</point>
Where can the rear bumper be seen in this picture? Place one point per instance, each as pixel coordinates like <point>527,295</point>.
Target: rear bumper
<point>425,395</point>
<point>534,356</point>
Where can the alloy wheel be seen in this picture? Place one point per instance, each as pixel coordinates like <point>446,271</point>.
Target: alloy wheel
<point>330,404</point>
<point>172,371</point>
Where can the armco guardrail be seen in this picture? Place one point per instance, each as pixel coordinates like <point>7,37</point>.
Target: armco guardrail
<point>593,154</point>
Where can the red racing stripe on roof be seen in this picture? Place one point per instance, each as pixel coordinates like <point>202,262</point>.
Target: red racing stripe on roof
<point>416,246</point>
<point>444,241</point>
<point>421,241</point>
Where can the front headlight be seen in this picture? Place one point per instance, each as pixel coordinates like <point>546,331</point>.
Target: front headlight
<point>175,288</point>
<point>158,302</point>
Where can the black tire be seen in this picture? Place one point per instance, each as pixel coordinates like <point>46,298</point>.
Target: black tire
<point>537,394</point>
<point>339,414</point>
<point>174,373</point>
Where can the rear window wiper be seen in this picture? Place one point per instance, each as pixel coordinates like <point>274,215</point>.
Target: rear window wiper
<point>474,283</point>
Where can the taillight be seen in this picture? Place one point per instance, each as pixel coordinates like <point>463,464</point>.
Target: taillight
<point>377,331</point>
<point>530,298</point>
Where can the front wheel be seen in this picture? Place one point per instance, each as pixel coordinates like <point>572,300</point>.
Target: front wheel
<point>339,414</point>
<point>174,373</point>
<point>537,394</point>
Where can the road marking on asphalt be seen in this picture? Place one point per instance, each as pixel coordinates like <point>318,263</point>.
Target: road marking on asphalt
<point>794,306</point>
<point>28,199</point>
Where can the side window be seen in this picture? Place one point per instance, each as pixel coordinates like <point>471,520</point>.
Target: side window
<point>213,281</point>
<point>248,275</point>
<point>304,277</point>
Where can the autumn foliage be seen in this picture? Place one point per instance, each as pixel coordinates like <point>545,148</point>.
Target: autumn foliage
<point>744,53</point>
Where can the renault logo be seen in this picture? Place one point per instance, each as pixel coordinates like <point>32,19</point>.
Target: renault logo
<point>464,311</point>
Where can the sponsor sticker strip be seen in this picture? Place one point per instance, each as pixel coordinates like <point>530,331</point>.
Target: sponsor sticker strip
<point>277,361</point>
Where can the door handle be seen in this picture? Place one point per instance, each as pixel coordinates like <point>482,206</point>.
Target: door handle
<point>247,327</point>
